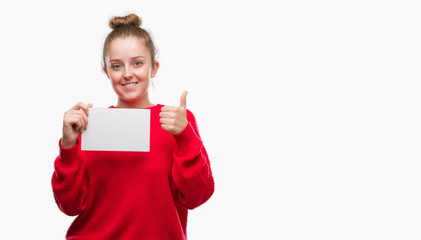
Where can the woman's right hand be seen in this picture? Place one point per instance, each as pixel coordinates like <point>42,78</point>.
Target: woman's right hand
<point>75,120</point>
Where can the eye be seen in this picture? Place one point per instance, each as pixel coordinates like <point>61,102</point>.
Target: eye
<point>116,66</point>
<point>138,63</point>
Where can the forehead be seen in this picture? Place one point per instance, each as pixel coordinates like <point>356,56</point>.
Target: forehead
<point>126,48</point>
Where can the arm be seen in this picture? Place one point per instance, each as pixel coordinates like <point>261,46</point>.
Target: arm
<point>193,182</point>
<point>69,181</point>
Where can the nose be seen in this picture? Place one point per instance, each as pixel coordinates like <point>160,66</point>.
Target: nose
<point>127,73</point>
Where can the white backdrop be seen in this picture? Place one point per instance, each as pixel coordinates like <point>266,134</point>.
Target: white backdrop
<point>309,110</point>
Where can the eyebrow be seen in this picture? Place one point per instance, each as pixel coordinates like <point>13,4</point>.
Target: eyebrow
<point>111,60</point>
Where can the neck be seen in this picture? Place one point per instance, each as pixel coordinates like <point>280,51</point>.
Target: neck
<point>144,102</point>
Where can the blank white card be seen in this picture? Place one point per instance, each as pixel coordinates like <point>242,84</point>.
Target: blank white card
<point>117,129</point>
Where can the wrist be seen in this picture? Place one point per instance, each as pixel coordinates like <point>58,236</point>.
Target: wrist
<point>68,155</point>
<point>67,144</point>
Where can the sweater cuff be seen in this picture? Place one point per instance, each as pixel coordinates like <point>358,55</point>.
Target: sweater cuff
<point>68,155</point>
<point>187,140</point>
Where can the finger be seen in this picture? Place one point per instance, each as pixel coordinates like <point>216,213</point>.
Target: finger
<point>82,126</point>
<point>79,114</point>
<point>71,119</point>
<point>90,105</point>
<point>168,109</point>
<point>76,124</point>
<point>81,106</point>
<point>168,121</point>
<point>183,99</point>
<point>167,127</point>
<point>85,121</point>
<point>81,121</point>
<point>167,114</point>
<point>78,106</point>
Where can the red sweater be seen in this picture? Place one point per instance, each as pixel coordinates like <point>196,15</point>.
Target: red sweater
<point>134,195</point>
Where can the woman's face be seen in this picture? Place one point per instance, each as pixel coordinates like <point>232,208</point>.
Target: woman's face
<point>129,68</point>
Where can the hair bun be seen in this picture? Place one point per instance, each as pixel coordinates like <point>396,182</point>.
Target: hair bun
<point>131,19</point>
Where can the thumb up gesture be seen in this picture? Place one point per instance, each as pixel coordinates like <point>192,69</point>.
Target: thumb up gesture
<point>174,119</point>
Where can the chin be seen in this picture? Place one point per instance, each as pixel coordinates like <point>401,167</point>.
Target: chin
<point>132,98</point>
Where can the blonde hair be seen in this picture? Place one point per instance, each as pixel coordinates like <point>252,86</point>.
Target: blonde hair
<point>127,26</point>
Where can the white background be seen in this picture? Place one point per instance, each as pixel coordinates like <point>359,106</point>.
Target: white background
<point>309,110</point>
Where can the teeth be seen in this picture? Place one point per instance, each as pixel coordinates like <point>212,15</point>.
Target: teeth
<point>130,84</point>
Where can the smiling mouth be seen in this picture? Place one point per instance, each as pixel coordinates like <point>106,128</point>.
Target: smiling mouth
<point>129,85</point>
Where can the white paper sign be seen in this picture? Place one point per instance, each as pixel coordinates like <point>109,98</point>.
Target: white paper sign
<point>117,129</point>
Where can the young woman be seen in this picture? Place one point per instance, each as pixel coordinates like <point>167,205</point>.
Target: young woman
<point>132,195</point>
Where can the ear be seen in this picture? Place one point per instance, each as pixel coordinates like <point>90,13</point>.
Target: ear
<point>154,69</point>
<point>105,71</point>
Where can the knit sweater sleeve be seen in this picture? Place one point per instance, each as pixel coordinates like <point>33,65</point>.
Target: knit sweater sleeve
<point>69,181</point>
<point>193,182</point>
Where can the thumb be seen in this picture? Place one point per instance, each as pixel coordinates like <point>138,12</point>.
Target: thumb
<point>183,99</point>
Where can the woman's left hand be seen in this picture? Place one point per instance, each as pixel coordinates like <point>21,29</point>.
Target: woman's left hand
<point>174,119</point>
